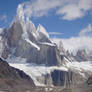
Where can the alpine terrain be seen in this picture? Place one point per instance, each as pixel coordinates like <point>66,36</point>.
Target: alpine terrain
<point>32,62</point>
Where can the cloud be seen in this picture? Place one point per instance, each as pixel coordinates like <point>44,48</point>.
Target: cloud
<point>82,41</point>
<point>3,18</point>
<point>74,43</point>
<point>75,10</point>
<point>38,8</point>
<point>70,12</point>
<point>66,9</point>
<point>55,33</point>
<point>86,31</point>
<point>85,4</point>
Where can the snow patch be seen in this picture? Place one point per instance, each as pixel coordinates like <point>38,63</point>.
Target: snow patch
<point>33,44</point>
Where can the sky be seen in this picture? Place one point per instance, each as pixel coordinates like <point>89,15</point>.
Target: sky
<point>66,19</point>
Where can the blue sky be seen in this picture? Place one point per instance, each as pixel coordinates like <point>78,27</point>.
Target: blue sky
<point>60,18</point>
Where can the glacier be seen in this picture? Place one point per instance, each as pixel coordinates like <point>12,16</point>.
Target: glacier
<point>34,70</point>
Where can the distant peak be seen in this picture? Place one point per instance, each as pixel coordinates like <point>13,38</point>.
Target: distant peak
<point>20,12</point>
<point>19,18</point>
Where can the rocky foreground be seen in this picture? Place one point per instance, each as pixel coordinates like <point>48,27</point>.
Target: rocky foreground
<point>12,79</point>
<point>50,89</point>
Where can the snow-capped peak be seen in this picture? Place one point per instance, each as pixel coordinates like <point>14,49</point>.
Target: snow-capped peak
<point>42,30</point>
<point>19,18</point>
<point>30,27</point>
<point>20,12</point>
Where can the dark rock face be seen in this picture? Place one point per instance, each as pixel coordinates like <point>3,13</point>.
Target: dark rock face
<point>61,78</point>
<point>14,35</point>
<point>48,55</point>
<point>66,78</point>
<point>12,78</point>
<point>89,81</point>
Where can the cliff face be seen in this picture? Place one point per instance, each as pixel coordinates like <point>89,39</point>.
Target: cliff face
<point>61,78</point>
<point>64,79</point>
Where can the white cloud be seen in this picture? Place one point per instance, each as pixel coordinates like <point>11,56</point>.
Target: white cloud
<point>55,33</point>
<point>86,31</point>
<point>67,9</point>
<point>83,41</point>
<point>70,12</point>
<point>75,10</point>
<point>85,4</point>
<point>74,43</point>
<point>39,8</point>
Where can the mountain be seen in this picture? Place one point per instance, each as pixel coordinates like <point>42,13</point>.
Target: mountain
<point>24,41</point>
<point>81,55</point>
<point>12,79</point>
<point>48,64</point>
